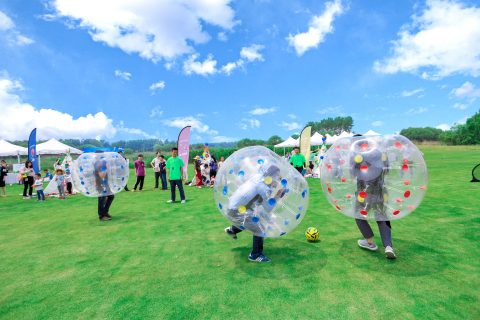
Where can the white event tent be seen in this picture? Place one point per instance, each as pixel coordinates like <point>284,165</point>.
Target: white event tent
<point>371,133</point>
<point>9,149</point>
<point>316,139</point>
<point>290,142</point>
<point>53,146</point>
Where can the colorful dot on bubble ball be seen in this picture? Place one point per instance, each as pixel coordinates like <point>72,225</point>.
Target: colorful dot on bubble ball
<point>241,173</point>
<point>255,219</point>
<point>260,161</point>
<point>405,167</point>
<point>358,158</point>
<point>321,157</point>
<point>242,209</point>
<point>364,168</point>
<point>364,212</point>
<point>363,194</point>
<point>396,212</point>
<point>407,194</point>
<point>329,190</point>
<point>360,199</point>
<point>364,146</point>
<point>398,145</point>
<point>284,182</point>
<point>406,182</point>
<point>272,202</point>
<point>343,179</point>
<point>268,180</point>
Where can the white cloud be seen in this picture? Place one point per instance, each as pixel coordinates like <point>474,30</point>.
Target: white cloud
<point>252,53</point>
<point>460,106</point>
<point>414,92</point>
<point>246,124</point>
<point>205,68</point>
<point>231,66</point>
<point>262,111</point>
<point>151,28</point>
<point>195,123</point>
<point>223,139</point>
<point>292,116</point>
<point>467,90</point>
<point>160,85</point>
<point>123,74</point>
<point>336,110</point>
<point>443,126</point>
<point>290,126</point>
<point>156,112</point>
<point>377,123</point>
<point>222,36</point>
<point>50,123</point>
<point>134,131</point>
<point>318,28</point>
<point>444,39</point>
<point>418,110</point>
<point>12,35</point>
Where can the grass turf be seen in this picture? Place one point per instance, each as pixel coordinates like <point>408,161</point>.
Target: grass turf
<point>155,260</point>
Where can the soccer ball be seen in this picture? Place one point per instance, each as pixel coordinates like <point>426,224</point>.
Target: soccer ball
<point>312,234</point>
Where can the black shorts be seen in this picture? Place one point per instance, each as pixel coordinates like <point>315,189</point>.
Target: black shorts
<point>2,183</point>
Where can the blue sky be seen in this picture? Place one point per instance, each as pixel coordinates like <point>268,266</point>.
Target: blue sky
<point>234,69</point>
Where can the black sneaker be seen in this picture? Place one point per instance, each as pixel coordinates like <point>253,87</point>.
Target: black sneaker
<point>231,233</point>
<point>109,217</point>
<point>260,258</point>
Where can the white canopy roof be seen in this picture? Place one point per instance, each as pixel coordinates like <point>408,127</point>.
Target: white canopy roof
<point>371,133</point>
<point>290,142</point>
<point>316,139</point>
<point>53,146</point>
<point>9,149</point>
<point>345,134</point>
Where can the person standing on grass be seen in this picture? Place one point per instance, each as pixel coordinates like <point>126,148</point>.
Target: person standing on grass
<point>38,185</point>
<point>60,180</point>
<point>298,160</point>
<point>27,175</point>
<point>101,183</point>
<point>139,172</point>
<point>3,177</point>
<point>175,174</point>
<point>155,164</point>
<point>163,172</point>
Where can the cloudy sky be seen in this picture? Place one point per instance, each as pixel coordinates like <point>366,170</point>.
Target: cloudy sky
<point>118,69</point>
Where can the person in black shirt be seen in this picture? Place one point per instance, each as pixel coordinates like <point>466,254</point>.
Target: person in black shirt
<point>106,196</point>
<point>3,177</point>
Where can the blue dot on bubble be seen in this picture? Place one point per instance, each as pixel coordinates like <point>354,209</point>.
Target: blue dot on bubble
<point>283,233</point>
<point>287,190</point>
<point>284,182</point>
<point>231,171</point>
<point>220,206</point>
<point>255,219</point>
<point>261,161</point>
<point>324,139</point>
<point>241,173</point>
<point>83,182</point>
<point>304,193</point>
<point>242,228</point>
<point>321,157</point>
<point>225,190</point>
<point>300,208</point>
<point>123,178</point>
<point>298,216</point>
<point>272,202</point>
<point>286,222</point>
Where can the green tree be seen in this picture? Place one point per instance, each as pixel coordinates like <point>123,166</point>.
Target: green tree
<point>332,125</point>
<point>273,140</point>
<point>422,134</point>
<point>464,134</point>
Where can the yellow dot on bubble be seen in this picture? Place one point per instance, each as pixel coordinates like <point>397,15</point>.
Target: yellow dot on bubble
<point>268,180</point>
<point>360,199</point>
<point>385,197</point>
<point>384,157</point>
<point>242,209</point>
<point>358,158</point>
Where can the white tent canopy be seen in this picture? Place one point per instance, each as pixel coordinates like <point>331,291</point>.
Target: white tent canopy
<point>290,142</point>
<point>371,133</point>
<point>316,139</point>
<point>9,149</point>
<point>345,134</point>
<point>54,146</point>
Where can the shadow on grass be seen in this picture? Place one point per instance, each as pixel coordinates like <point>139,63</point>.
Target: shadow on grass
<point>413,259</point>
<point>290,259</point>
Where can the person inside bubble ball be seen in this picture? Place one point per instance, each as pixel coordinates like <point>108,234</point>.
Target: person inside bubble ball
<point>101,183</point>
<point>254,193</point>
<point>369,165</point>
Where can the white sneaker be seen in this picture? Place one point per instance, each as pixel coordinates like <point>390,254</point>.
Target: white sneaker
<point>183,201</point>
<point>389,253</point>
<point>363,243</point>
<point>169,201</point>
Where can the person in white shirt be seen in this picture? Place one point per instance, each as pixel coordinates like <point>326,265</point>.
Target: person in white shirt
<point>38,185</point>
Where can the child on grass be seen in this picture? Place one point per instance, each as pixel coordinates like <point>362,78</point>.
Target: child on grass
<point>68,181</point>
<point>254,193</point>
<point>139,172</point>
<point>60,180</point>
<point>3,177</point>
<point>38,185</point>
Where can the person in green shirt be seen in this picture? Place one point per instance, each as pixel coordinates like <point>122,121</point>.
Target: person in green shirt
<point>297,160</point>
<point>175,174</point>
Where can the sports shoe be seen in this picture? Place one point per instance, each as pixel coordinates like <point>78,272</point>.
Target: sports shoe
<point>109,217</point>
<point>183,201</point>
<point>170,201</point>
<point>389,253</point>
<point>104,218</point>
<point>363,243</point>
<point>26,198</point>
<point>260,258</point>
<point>231,233</point>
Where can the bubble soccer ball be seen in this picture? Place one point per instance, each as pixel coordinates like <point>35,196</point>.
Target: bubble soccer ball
<point>311,234</point>
<point>259,191</point>
<point>374,177</point>
<point>100,174</point>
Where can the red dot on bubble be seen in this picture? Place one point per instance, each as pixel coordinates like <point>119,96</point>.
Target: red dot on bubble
<point>411,207</point>
<point>364,212</point>
<point>406,182</point>
<point>363,168</point>
<point>329,190</point>
<point>399,200</point>
<point>407,194</point>
<point>348,196</point>
<point>338,208</point>
<point>396,212</point>
<point>343,179</point>
<point>423,188</point>
<point>362,194</point>
<point>329,167</point>
<point>405,161</point>
<point>398,145</point>
<point>364,146</point>
<point>337,148</point>
<point>335,201</point>
<point>405,167</point>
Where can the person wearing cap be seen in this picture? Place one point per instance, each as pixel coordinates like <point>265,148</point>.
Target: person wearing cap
<point>297,160</point>
<point>253,194</point>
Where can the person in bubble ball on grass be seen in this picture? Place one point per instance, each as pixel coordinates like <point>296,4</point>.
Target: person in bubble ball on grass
<point>241,205</point>
<point>373,186</point>
<point>101,183</point>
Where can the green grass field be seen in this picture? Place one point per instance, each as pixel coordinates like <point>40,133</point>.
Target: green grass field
<point>155,260</point>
